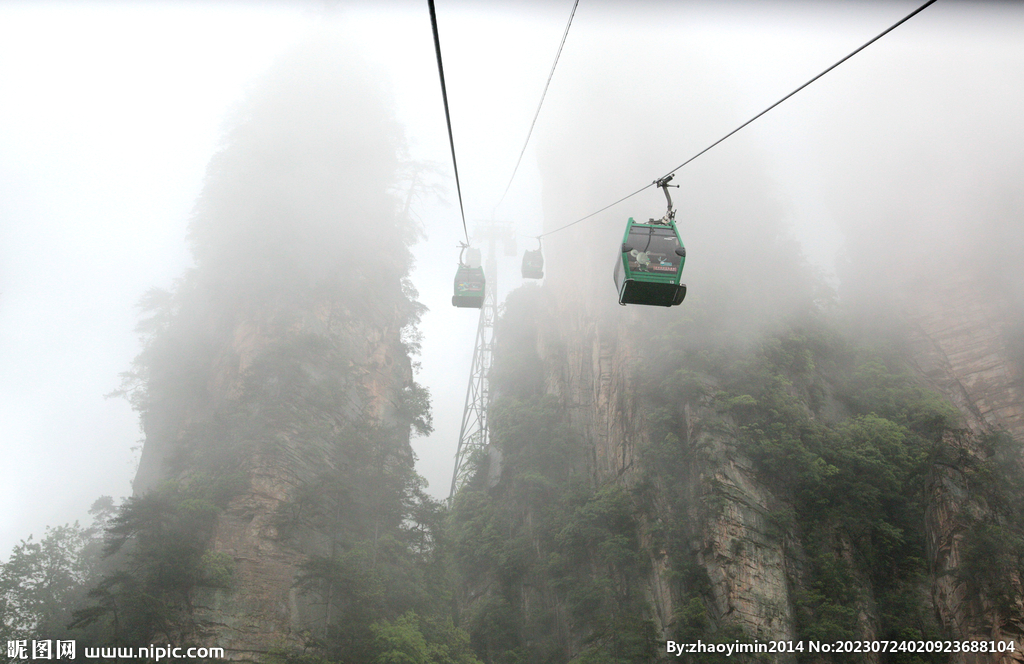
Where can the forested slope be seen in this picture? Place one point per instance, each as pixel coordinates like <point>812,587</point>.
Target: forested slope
<point>674,478</point>
<point>784,456</point>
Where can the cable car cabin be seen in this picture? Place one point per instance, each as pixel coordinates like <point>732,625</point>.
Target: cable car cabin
<point>469,287</point>
<point>650,266</point>
<point>533,264</point>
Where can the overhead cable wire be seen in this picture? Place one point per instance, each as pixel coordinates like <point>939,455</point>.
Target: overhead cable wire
<point>853,53</point>
<point>543,94</point>
<point>646,186</point>
<point>865,45</point>
<point>447,115</point>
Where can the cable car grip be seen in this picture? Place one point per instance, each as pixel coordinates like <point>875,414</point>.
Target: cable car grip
<point>670,214</point>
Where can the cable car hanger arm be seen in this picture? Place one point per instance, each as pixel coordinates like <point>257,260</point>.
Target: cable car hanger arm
<point>670,214</point>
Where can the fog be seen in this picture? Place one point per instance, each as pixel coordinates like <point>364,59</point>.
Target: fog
<point>903,164</point>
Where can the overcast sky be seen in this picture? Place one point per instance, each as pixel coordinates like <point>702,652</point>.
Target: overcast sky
<point>110,113</point>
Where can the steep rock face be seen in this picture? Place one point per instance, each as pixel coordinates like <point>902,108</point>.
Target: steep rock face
<point>262,609</point>
<point>958,341</point>
<point>592,369</point>
<point>959,334</point>
<point>592,376</point>
<point>747,562</point>
<point>277,366</point>
<point>960,338</point>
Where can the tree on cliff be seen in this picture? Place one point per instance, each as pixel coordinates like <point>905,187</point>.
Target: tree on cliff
<point>42,582</point>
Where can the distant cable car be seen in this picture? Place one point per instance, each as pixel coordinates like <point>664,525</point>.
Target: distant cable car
<point>469,280</point>
<point>650,266</point>
<point>533,263</point>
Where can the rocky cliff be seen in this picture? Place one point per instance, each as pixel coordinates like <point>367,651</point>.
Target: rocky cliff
<point>961,337</point>
<point>733,546</point>
<point>747,563</point>
<point>262,608</point>
<point>278,372</point>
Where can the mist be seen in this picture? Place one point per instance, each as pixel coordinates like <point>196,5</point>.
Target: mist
<point>898,168</point>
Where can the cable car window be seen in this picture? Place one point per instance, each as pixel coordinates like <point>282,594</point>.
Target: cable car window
<point>653,250</point>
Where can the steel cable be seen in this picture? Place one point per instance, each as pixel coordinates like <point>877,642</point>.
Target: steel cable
<point>853,53</point>
<point>447,115</point>
<point>543,94</point>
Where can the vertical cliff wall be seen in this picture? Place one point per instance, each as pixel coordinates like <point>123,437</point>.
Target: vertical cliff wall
<point>262,608</point>
<point>800,468</point>
<point>278,370</point>
<point>787,485</point>
<point>957,337</point>
<point>596,377</point>
<point>609,369</point>
<point>753,557</point>
<point>961,334</point>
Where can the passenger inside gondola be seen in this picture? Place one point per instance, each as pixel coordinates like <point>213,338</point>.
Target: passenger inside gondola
<point>653,250</point>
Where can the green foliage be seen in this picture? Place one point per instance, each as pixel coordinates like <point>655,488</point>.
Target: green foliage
<point>845,441</point>
<point>414,408</point>
<point>381,553</point>
<point>157,546</point>
<point>573,550</point>
<point>43,582</point>
<point>873,388</point>
<point>828,610</point>
<point>216,569</point>
<point>402,642</point>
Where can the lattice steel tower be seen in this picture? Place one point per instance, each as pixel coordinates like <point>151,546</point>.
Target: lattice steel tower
<point>473,435</point>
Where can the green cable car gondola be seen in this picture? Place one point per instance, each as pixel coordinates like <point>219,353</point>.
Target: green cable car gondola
<point>469,281</point>
<point>650,265</point>
<point>533,263</point>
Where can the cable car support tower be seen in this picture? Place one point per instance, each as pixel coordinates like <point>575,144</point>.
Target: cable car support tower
<point>473,434</point>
